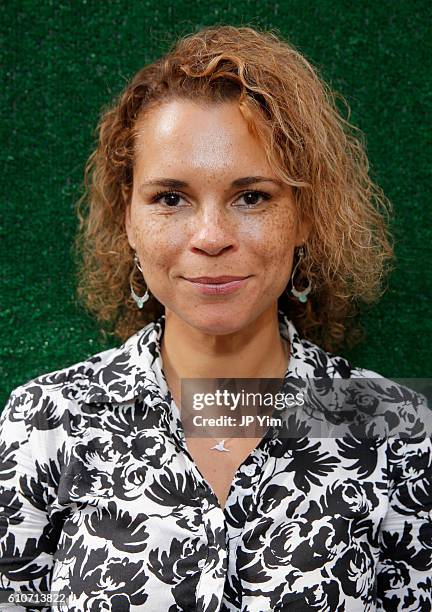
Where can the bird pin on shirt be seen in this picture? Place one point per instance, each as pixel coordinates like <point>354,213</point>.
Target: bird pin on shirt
<point>220,447</point>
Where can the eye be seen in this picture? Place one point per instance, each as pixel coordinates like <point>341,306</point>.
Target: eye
<point>254,198</point>
<point>171,198</point>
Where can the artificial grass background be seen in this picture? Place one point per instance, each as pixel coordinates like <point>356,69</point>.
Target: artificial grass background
<point>64,60</point>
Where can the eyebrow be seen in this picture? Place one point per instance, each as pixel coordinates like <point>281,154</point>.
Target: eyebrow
<point>240,182</point>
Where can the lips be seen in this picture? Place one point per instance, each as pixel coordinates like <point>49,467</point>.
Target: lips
<point>217,286</point>
<point>214,280</point>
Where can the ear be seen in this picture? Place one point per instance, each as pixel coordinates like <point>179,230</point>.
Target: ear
<point>304,229</point>
<point>127,215</point>
<point>128,227</point>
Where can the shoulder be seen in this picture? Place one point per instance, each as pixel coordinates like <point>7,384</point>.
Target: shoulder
<point>71,386</point>
<point>309,360</point>
<point>322,363</point>
<point>68,383</point>
<point>51,401</point>
<point>394,407</point>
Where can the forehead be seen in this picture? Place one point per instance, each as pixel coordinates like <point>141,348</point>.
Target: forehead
<point>185,134</point>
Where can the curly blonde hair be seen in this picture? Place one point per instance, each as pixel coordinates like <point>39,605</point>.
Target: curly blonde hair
<point>308,144</point>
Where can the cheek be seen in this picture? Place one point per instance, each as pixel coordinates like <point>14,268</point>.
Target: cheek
<point>159,242</point>
<point>272,237</point>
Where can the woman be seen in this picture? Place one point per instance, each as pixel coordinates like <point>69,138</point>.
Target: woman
<point>231,228</point>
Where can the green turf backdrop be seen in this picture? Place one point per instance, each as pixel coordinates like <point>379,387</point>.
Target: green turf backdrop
<point>64,60</point>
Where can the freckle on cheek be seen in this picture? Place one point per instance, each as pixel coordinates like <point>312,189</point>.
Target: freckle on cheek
<point>157,245</point>
<point>272,234</point>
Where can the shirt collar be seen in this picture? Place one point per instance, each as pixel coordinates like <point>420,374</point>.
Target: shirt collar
<point>135,369</point>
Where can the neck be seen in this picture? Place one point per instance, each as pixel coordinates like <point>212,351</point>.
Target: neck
<point>257,351</point>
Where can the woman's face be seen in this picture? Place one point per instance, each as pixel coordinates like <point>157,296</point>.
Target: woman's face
<point>205,203</point>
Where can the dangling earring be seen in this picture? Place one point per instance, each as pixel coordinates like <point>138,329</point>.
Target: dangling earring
<point>300,295</point>
<point>140,301</point>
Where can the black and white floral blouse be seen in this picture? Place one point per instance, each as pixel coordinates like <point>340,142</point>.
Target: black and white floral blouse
<point>101,501</point>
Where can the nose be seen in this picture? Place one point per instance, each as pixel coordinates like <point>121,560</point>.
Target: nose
<point>213,231</point>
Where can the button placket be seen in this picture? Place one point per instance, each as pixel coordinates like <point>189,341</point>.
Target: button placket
<point>212,579</point>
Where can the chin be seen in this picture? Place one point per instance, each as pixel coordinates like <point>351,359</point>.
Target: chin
<point>218,321</point>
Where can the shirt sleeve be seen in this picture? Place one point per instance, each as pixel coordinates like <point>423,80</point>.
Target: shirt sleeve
<point>28,537</point>
<point>404,572</point>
